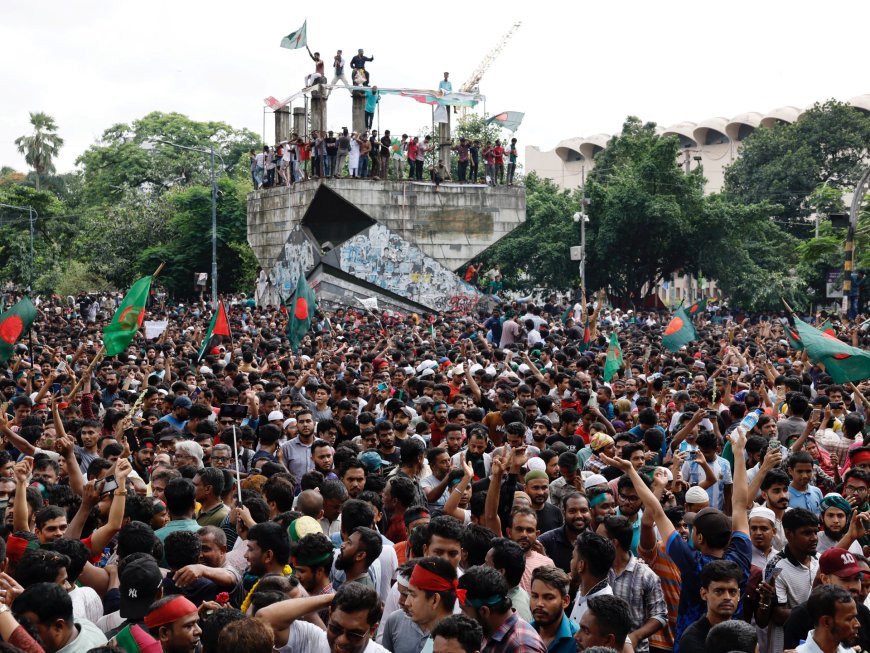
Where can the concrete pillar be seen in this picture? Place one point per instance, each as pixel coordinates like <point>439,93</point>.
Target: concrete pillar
<point>282,124</point>
<point>444,141</point>
<point>299,120</point>
<point>318,112</point>
<point>359,112</point>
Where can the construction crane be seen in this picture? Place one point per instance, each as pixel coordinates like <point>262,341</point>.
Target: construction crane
<point>473,82</point>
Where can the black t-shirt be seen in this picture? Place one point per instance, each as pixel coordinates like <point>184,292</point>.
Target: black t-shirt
<point>331,146</point>
<point>473,151</point>
<point>394,457</point>
<point>694,639</point>
<point>549,517</point>
<point>376,146</point>
<point>385,146</point>
<point>573,442</point>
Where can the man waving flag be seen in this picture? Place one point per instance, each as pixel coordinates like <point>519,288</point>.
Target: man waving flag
<point>301,313</point>
<point>679,331</point>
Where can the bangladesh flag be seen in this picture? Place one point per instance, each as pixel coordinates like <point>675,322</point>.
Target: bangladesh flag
<point>128,318</point>
<point>302,313</point>
<point>584,344</point>
<point>297,39</point>
<point>679,331</point>
<point>614,358</point>
<point>843,362</point>
<point>218,332</point>
<point>13,324</point>
<point>698,307</point>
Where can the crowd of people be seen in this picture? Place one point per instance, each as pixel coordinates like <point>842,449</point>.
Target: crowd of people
<point>365,155</point>
<point>455,483</point>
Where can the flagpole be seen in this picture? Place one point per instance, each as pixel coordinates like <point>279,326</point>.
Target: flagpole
<point>88,371</point>
<point>238,473</point>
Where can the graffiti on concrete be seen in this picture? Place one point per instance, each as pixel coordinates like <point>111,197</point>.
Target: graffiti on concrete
<point>298,254</point>
<point>379,256</point>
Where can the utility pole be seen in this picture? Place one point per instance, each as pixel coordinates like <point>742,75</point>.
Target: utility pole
<point>849,262</point>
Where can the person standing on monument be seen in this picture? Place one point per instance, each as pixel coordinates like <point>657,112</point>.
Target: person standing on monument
<point>358,64</point>
<point>372,99</point>
<point>338,67</point>
<point>318,68</point>
<point>353,159</point>
<point>512,162</point>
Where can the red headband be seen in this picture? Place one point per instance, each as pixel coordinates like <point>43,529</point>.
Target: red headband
<point>423,579</point>
<point>860,457</point>
<point>169,612</point>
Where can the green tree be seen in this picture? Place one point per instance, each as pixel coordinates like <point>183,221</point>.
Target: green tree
<point>42,146</point>
<point>786,163</point>
<point>537,252</point>
<point>644,213</point>
<point>128,156</point>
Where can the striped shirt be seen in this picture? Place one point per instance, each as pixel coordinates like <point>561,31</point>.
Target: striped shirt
<point>669,577</point>
<point>514,636</point>
<point>639,586</point>
<point>793,587</point>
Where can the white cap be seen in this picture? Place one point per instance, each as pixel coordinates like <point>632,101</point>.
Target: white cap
<point>761,511</point>
<point>275,416</point>
<point>523,368</point>
<point>427,372</point>
<point>668,473</point>
<point>475,368</point>
<point>593,480</point>
<point>290,421</point>
<point>536,464</point>
<point>205,369</point>
<point>696,494</point>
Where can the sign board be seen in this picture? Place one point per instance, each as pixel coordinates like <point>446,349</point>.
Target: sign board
<point>834,284</point>
<point>200,280</point>
<point>577,253</point>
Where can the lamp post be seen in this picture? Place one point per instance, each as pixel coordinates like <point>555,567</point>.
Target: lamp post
<point>211,153</point>
<point>582,218</point>
<point>849,263</point>
<point>32,215</point>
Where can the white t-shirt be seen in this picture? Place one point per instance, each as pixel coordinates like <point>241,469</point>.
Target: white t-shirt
<point>581,603</point>
<point>311,639</point>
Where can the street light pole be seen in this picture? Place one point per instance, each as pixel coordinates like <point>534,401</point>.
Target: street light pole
<point>849,263</point>
<point>214,292</point>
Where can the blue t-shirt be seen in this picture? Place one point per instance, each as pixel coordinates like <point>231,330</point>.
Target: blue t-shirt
<point>811,499</point>
<point>371,101</point>
<point>690,562</point>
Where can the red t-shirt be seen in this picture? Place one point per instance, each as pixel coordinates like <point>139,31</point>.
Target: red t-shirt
<point>498,153</point>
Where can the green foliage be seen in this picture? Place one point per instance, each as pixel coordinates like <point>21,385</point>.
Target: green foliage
<point>537,252</point>
<point>119,161</point>
<point>70,278</point>
<point>786,163</point>
<point>645,213</point>
<point>42,146</point>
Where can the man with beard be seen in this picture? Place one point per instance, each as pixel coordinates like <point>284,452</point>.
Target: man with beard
<point>435,485</point>
<point>537,486</point>
<point>835,620</point>
<point>174,622</point>
<point>559,542</point>
<point>486,602</point>
<point>431,594</point>
<point>774,491</point>
<point>601,504</point>
<point>798,565</point>
<point>321,456</point>
<point>297,452</point>
<point>629,507</point>
<point>353,477</point>
<point>359,552</point>
<point>268,549</point>
<point>762,525</point>
<point>143,458</point>
<point>475,453</point>
<point>548,602</point>
<point>523,530</point>
<point>720,589</point>
<point>834,517</point>
<point>837,567</point>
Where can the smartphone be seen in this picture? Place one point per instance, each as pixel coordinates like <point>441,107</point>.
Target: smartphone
<point>711,413</point>
<point>196,392</point>
<point>773,444</point>
<point>762,358</point>
<point>61,368</point>
<point>233,411</point>
<point>772,576</point>
<point>55,388</point>
<point>382,387</point>
<point>836,404</point>
<point>110,484</point>
<point>817,415</point>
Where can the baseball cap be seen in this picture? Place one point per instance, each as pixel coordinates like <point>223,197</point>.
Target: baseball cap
<point>140,579</point>
<point>372,460</point>
<point>839,562</point>
<point>709,522</point>
<point>182,402</point>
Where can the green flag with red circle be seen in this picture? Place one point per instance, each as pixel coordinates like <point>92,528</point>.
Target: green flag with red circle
<point>118,335</point>
<point>842,361</point>
<point>14,323</point>
<point>679,332</point>
<point>302,308</point>
<point>613,362</point>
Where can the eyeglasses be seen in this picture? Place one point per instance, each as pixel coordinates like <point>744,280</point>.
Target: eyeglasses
<point>629,499</point>
<point>353,635</point>
<point>856,489</point>
<point>219,459</point>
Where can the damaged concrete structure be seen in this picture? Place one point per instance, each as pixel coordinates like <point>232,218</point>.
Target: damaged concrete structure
<point>401,242</point>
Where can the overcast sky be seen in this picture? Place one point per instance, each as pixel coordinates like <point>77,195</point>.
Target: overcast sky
<point>575,68</point>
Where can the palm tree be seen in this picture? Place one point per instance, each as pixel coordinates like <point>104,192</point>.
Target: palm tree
<point>42,145</point>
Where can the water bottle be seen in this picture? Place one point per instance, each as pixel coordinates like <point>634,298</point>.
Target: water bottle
<point>748,423</point>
